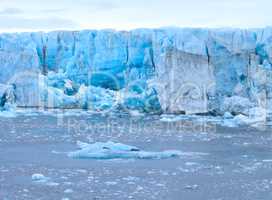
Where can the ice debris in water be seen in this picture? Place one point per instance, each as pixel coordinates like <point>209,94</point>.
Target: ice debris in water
<point>42,179</point>
<point>174,118</point>
<point>8,111</point>
<point>39,178</point>
<point>254,117</point>
<point>111,150</point>
<point>7,114</point>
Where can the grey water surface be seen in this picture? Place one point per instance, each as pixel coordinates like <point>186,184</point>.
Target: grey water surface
<point>234,164</point>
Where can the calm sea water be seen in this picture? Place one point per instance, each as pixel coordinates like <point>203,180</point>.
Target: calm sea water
<point>236,162</point>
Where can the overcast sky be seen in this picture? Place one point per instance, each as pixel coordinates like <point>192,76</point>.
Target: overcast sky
<point>34,15</point>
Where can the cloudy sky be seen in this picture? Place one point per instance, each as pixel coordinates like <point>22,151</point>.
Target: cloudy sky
<point>34,15</point>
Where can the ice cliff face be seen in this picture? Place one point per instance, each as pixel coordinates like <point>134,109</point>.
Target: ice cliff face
<point>171,70</point>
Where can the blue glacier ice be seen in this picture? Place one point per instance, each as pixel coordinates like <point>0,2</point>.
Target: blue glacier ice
<point>169,70</point>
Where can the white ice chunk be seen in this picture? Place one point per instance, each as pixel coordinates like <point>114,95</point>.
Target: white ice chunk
<point>9,111</point>
<point>256,115</point>
<point>42,179</point>
<point>39,178</point>
<point>227,115</point>
<point>7,114</point>
<point>175,118</point>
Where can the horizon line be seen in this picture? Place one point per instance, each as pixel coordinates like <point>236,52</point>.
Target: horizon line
<point>130,29</point>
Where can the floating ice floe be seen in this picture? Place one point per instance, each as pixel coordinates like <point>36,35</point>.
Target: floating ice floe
<point>7,114</point>
<point>136,113</point>
<point>111,150</point>
<point>8,111</point>
<point>255,116</point>
<point>40,178</point>
<point>195,118</point>
<point>175,118</point>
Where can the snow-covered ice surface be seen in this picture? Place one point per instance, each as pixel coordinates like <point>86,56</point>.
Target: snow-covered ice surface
<point>233,163</point>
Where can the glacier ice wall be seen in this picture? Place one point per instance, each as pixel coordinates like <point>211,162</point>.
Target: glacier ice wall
<point>173,70</point>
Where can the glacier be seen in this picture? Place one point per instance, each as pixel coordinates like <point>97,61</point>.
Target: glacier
<point>165,70</point>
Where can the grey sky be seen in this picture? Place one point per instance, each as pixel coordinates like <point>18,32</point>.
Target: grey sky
<point>17,15</point>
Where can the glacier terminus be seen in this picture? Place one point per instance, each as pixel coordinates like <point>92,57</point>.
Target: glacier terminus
<point>166,70</point>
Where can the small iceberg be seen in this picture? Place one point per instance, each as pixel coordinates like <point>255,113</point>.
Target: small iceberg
<point>39,178</point>
<point>111,150</point>
<point>256,116</point>
<point>8,110</point>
